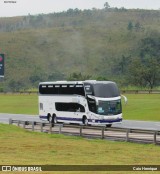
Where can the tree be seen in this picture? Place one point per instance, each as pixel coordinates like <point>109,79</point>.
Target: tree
<point>78,76</point>
<point>151,72</point>
<point>145,69</point>
<point>144,75</point>
<point>16,86</point>
<point>106,5</point>
<point>37,76</point>
<point>137,26</point>
<point>56,76</point>
<point>130,26</point>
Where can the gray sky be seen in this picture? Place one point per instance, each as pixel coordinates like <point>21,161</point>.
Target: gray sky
<point>24,7</point>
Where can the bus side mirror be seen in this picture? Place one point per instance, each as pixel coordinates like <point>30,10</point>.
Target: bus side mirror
<point>125,99</point>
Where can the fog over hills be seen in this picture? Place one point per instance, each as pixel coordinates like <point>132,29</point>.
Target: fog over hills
<point>112,44</point>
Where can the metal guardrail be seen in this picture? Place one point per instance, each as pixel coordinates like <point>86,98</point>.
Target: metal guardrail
<point>112,133</point>
<point>19,93</point>
<point>140,91</point>
<point>122,91</point>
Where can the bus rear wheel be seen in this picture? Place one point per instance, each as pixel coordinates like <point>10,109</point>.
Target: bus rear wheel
<point>54,119</point>
<point>49,118</point>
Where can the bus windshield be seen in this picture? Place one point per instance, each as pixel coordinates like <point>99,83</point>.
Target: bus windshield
<point>109,107</point>
<point>106,90</point>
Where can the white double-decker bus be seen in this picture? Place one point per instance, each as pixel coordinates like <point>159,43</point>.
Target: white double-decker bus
<point>84,102</point>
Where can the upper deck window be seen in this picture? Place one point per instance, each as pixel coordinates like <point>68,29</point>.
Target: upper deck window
<point>65,89</point>
<point>50,86</point>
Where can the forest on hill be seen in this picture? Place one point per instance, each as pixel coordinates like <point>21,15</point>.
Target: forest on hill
<point>105,44</point>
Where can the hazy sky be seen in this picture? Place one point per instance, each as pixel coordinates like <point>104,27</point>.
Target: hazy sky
<point>24,7</point>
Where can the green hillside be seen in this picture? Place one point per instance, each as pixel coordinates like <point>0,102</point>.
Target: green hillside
<point>114,44</point>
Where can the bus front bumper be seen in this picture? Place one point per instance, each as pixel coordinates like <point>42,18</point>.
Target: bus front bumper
<point>105,121</point>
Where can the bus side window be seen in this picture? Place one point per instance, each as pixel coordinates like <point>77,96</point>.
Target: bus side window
<point>69,107</point>
<point>79,90</point>
<point>80,108</point>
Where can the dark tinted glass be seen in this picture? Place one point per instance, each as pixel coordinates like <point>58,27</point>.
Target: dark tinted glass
<point>88,89</point>
<point>62,89</point>
<point>69,107</point>
<point>106,90</point>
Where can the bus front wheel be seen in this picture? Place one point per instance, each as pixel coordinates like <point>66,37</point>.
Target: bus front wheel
<point>85,120</point>
<point>109,125</point>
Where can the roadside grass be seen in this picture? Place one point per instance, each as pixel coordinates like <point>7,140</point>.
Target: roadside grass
<point>19,103</point>
<point>140,106</point>
<point>21,147</point>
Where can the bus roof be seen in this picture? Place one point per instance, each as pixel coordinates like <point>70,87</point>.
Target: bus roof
<point>76,82</point>
<point>60,82</point>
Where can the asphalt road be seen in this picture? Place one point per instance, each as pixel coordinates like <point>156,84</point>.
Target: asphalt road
<point>4,118</point>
